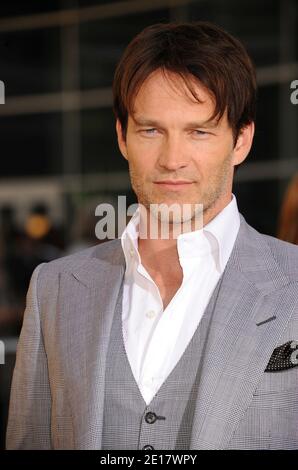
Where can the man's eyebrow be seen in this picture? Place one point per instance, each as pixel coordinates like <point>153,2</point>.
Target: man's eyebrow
<point>141,121</point>
<point>208,123</point>
<point>146,122</point>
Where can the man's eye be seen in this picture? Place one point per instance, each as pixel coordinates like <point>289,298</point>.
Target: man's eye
<point>150,131</point>
<point>199,132</point>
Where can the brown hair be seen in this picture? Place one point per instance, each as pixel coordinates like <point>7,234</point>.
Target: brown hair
<point>199,50</point>
<point>288,218</point>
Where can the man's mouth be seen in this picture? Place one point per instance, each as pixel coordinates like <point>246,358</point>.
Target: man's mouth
<point>174,185</point>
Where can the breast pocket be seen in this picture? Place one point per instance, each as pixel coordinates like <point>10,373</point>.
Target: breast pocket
<point>277,382</point>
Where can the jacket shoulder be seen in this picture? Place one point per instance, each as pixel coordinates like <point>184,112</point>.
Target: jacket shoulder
<point>285,254</point>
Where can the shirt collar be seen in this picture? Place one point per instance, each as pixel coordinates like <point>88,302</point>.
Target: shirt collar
<point>221,232</point>
<point>216,238</point>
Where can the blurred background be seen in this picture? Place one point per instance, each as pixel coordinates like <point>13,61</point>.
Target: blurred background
<point>59,156</point>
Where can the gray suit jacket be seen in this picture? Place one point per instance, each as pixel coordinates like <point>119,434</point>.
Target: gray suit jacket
<point>58,383</point>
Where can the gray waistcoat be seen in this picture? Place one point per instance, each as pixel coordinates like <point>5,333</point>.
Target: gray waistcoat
<point>166,423</point>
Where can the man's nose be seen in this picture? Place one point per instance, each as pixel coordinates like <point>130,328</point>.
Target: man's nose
<point>173,154</point>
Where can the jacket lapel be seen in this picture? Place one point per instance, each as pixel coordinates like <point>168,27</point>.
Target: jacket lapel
<point>240,341</point>
<point>88,297</point>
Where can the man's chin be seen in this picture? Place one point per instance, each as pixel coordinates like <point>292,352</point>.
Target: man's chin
<point>174,213</point>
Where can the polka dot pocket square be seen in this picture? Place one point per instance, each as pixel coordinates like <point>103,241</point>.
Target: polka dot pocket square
<point>283,357</point>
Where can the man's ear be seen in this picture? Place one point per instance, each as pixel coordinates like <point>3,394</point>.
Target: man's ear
<point>121,140</point>
<point>243,144</point>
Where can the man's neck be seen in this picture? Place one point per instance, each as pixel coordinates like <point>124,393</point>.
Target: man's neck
<point>154,249</point>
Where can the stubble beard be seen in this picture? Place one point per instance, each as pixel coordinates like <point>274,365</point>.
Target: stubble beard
<point>217,186</point>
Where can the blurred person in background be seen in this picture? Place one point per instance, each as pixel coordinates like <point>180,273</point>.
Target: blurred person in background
<point>288,217</point>
<point>21,250</point>
<point>168,343</point>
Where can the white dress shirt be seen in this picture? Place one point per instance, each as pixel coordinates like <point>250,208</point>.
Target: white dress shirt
<point>155,338</point>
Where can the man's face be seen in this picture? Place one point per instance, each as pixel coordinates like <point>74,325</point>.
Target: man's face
<point>175,153</point>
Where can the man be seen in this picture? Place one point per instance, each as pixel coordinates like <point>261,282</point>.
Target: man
<point>186,342</point>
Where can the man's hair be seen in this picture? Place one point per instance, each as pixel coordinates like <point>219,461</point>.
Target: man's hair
<point>198,50</point>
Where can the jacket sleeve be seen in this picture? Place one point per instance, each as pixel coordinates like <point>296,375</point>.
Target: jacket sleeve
<point>29,418</point>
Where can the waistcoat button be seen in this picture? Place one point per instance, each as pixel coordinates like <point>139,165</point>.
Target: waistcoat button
<point>148,447</point>
<point>150,417</point>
